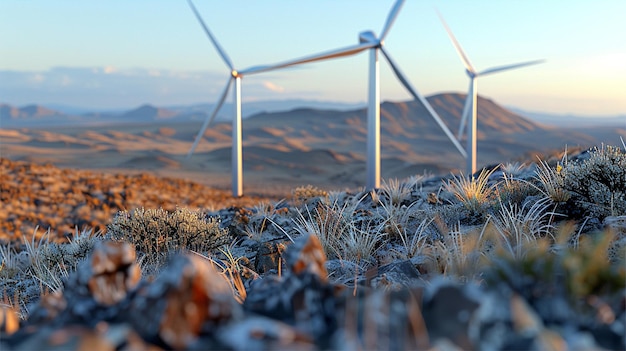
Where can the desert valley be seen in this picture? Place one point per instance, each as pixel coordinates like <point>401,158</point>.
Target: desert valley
<point>285,149</point>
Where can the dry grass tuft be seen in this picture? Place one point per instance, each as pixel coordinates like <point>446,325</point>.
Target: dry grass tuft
<point>552,182</point>
<point>517,226</point>
<point>474,193</point>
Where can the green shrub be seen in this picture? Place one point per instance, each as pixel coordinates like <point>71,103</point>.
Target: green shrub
<point>598,184</point>
<point>303,194</point>
<point>158,232</point>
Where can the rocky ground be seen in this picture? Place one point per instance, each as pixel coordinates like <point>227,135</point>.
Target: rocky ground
<point>64,200</point>
<point>413,265</point>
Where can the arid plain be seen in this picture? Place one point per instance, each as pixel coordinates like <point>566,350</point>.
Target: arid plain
<point>283,150</point>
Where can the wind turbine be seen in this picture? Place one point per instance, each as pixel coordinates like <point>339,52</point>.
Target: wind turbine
<point>373,109</point>
<point>367,40</point>
<point>472,96</point>
<point>236,76</point>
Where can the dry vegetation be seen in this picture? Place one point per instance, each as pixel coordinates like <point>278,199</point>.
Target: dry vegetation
<point>64,200</point>
<point>552,232</point>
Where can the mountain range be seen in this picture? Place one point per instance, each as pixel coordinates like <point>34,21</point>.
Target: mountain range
<point>38,115</point>
<point>286,148</point>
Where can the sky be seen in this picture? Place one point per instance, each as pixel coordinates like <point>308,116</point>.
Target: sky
<point>120,54</point>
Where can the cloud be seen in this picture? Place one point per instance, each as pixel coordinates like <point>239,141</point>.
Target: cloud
<point>273,87</point>
<point>108,86</point>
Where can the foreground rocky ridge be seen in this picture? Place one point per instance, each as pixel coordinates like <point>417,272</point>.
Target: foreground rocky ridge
<point>105,305</point>
<point>410,266</point>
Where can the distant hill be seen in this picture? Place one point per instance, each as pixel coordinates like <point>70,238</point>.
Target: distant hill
<point>570,120</point>
<point>409,133</point>
<point>147,113</point>
<point>298,145</point>
<point>492,116</point>
<point>27,112</point>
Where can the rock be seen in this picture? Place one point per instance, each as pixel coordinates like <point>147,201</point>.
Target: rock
<point>98,291</point>
<point>261,333</point>
<point>9,321</point>
<point>115,272</point>
<point>372,319</point>
<point>448,309</point>
<point>395,276</point>
<point>343,271</point>
<point>306,255</point>
<point>302,298</point>
<point>268,256</point>
<point>189,299</point>
<point>49,308</point>
<point>104,337</point>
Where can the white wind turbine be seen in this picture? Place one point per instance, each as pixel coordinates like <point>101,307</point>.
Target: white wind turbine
<point>236,75</point>
<point>471,99</point>
<point>373,108</point>
<point>367,40</point>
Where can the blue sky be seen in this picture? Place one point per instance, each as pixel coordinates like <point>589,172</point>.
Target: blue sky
<point>119,53</point>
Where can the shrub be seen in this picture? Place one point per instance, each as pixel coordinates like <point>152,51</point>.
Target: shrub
<point>156,232</point>
<point>598,184</point>
<point>304,193</point>
<point>511,191</point>
<point>343,232</point>
<point>459,254</point>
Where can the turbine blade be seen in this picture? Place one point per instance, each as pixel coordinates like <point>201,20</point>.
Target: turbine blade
<point>424,102</point>
<point>508,67</point>
<point>347,51</point>
<point>210,117</point>
<point>466,108</point>
<point>457,46</point>
<point>393,14</point>
<point>213,40</point>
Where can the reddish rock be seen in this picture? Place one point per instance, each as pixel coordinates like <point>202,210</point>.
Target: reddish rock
<point>115,272</point>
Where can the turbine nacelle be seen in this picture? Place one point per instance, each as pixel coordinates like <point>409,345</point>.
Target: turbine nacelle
<point>368,37</point>
<point>470,73</point>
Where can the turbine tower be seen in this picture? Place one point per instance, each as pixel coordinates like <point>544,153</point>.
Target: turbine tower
<point>471,100</point>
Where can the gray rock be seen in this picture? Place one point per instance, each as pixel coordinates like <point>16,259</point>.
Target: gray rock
<point>448,308</point>
<point>396,276</point>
